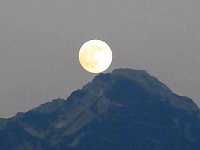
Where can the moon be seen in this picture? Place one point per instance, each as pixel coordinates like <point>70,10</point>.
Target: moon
<point>95,56</point>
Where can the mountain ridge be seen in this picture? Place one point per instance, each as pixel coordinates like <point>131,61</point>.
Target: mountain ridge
<point>121,102</point>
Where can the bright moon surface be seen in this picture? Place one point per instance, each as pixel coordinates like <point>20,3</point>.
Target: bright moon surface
<point>95,56</point>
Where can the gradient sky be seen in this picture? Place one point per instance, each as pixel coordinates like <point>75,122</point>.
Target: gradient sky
<point>40,41</point>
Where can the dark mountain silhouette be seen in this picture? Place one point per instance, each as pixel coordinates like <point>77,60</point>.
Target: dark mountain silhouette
<point>123,110</point>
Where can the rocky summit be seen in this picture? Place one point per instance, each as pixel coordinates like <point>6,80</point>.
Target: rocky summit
<point>123,110</point>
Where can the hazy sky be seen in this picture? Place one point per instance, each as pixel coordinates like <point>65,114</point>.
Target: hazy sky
<point>40,41</point>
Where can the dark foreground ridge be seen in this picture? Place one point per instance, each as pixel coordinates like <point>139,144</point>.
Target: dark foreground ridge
<point>123,110</point>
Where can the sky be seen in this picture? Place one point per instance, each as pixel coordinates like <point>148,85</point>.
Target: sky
<point>40,41</point>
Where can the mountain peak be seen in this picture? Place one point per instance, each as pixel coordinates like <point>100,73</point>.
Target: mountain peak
<point>126,71</point>
<point>147,81</point>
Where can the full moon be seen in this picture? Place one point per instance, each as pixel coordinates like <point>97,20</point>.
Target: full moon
<point>95,56</point>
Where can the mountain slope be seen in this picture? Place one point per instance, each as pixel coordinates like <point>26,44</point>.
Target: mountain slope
<point>125,109</point>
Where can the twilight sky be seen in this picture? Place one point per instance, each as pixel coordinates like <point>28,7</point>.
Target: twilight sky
<point>40,41</point>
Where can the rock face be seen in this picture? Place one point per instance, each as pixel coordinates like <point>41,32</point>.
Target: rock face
<point>123,110</point>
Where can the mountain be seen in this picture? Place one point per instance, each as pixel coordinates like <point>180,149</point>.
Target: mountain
<point>123,110</point>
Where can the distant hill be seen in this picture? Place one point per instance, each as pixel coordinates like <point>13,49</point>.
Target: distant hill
<point>123,110</point>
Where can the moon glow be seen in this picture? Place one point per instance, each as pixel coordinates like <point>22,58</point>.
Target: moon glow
<point>95,56</point>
